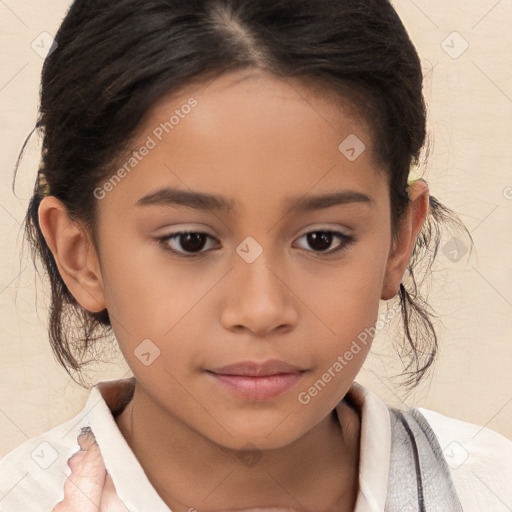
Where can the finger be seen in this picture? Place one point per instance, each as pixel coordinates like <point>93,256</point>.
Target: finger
<point>110,501</point>
<point>86,439</point>
<point>84,487</point>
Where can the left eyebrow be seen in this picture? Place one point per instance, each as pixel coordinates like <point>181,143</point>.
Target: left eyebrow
<point>191,199</point>
<point>327,200</point>
<point>205,201</point>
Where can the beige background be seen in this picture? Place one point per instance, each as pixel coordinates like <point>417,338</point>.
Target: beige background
<point>470,169</point>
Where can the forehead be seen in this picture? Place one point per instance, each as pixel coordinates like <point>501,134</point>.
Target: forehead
<point>252,135</point>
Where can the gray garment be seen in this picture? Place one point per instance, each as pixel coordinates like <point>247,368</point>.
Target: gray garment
<point>419,478</point>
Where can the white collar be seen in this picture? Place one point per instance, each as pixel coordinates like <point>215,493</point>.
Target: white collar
<point>132,484</point>
<point>374,449</point>
<point>108,397</point>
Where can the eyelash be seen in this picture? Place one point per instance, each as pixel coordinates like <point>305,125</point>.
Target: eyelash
<point>347,242</point>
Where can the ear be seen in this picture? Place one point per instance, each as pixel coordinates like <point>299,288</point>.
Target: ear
<point>73,252</point>
<point>408,230</point>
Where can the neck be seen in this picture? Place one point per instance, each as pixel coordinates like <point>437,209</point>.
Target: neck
<point>317,472</point>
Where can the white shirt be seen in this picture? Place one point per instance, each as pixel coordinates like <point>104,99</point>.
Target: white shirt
<point>32,476</point>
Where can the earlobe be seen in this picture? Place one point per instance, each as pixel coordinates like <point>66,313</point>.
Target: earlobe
<point>74,254</point>
<point>407,234</point>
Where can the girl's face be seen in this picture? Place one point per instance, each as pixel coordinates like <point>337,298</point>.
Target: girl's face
<point>274,272</point>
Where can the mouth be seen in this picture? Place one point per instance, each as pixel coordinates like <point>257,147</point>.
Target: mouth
<point>255,369</point>
<point>257,381</point>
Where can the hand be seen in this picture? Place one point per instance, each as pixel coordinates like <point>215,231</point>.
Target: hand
<point>89,488</point>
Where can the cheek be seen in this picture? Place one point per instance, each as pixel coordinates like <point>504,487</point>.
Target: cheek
<point>135,275</point>
<point>147,294</point>
<point>345,296</point>
<point>348,314</point>
<point>345,300</point>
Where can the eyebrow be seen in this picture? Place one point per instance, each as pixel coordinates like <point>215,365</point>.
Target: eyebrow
<point>205,201</point>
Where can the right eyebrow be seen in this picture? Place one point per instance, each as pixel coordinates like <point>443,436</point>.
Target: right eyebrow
<point>320,202</point>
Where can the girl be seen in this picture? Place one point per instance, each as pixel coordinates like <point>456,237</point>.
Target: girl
<point>225,186</point>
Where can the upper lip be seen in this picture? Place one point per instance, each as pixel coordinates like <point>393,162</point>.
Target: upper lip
<point>255,369</point>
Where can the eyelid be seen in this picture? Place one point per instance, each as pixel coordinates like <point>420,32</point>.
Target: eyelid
<point>345,241</point>
<point>345,231</point>
<point>163,241</point>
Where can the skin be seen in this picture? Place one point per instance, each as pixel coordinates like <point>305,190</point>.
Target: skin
<point>89,487</point>
<point>255,139</point>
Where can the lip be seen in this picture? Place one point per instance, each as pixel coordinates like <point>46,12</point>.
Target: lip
<point>257,381</point>
<point>255,369</point>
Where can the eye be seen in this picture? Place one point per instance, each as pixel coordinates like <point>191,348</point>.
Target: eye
<point>321,240</point>
<point>193,242</point>
<point>190,241</point>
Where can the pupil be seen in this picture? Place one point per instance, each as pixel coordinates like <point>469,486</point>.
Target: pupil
<point>192,241</point>
<point>320,240</point>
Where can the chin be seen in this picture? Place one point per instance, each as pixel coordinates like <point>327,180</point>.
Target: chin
<point>258,437</point>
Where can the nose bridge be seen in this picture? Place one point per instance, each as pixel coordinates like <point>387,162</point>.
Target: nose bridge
<point>258,298</point>
<point>255,269</point>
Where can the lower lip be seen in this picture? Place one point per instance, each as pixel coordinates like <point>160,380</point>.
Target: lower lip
<point>257,388</point>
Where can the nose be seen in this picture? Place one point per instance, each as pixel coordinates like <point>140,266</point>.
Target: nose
<point>259,299</point>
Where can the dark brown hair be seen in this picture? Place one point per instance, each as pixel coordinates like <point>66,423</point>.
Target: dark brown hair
<point>116,59</point>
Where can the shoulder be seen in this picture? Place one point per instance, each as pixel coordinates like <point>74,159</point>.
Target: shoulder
<point>470,445</point>
<point>480,462</point>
